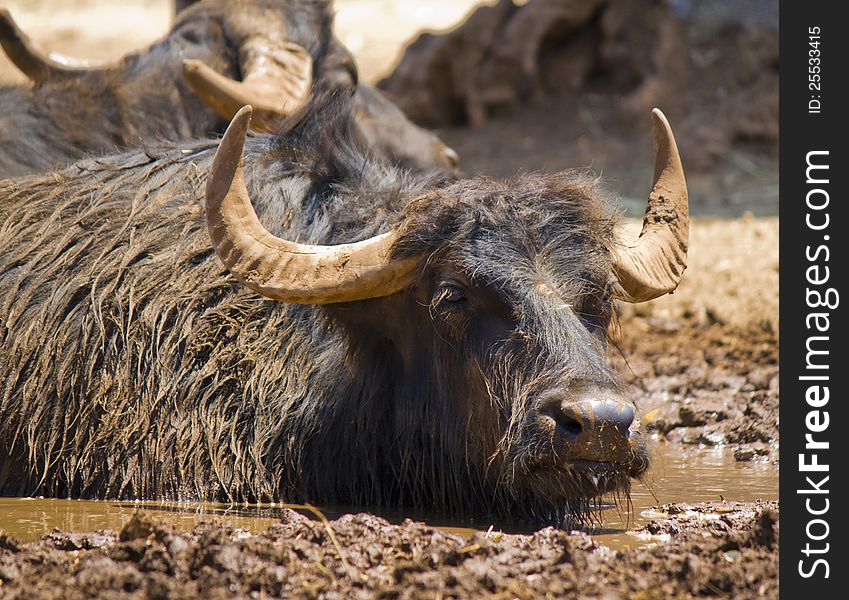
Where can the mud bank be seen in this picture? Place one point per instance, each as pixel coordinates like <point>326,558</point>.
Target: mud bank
<point>705,384</point>
<point>720,79</point>
<point>552,84</point>
<point>721,549</point>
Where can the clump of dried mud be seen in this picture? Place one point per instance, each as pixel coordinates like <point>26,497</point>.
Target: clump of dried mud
<point>707,384</point>
<point>728,550</point>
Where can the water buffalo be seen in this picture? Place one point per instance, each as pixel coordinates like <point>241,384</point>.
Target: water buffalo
<point>218,56</point>
<point>374,337</point>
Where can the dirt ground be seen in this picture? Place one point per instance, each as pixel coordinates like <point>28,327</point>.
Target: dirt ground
<point>720,549</point>
<point>552,84</point>
<point>703,363</point>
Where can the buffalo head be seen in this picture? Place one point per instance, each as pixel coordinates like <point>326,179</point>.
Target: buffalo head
<point>484,316</point>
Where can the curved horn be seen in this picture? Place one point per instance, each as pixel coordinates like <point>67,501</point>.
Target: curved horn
<point>276,82</point>
<point>33,62</point>
<point>284,270</point>
<point>653,266</point>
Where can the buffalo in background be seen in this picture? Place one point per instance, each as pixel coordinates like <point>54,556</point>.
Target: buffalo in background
<point>218,56</point>
<point>423,343</point>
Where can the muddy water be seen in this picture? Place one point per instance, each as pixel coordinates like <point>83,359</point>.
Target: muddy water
<point>687,474</point>
<point>679,474</point>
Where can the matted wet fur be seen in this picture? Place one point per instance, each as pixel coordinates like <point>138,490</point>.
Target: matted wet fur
<point>133,365</point>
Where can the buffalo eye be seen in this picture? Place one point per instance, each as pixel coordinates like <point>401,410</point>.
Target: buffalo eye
<point>450,294</point>
<point>596,313</point>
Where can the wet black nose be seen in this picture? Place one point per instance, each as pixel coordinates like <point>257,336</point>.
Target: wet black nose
<point>592,428</point>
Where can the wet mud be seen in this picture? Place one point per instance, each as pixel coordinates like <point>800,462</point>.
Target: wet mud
<point>679,474</point>
<point>714,549</point>
<point>712,387</point>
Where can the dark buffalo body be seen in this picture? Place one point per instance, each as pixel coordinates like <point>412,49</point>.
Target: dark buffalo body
<point>133,365</point>
<point>144,98</point>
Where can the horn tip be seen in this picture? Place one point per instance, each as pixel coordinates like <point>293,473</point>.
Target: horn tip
<point>242,119</point>
<point>227,162</point>
<point>8,26</point>
<point>198,73</point>
<point>234,138</point>
<point>664,139</point>
<point>659,118</point>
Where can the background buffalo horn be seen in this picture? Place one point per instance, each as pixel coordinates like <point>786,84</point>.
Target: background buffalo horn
<point>284,270</point>
<point>34,63</point>
<point>653,266</point>
<point>277,77</point>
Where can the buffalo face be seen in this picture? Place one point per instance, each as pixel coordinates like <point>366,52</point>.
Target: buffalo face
<point>384,126</point>
<point>506,332</point>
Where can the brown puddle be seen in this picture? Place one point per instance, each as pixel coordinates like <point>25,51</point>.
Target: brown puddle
<point>688,474</point>
<point>679,474</point>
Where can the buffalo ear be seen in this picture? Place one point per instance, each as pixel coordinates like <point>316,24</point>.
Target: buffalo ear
<point>277,81</point>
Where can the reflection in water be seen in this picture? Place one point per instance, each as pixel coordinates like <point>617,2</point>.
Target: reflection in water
<point>679,474</point>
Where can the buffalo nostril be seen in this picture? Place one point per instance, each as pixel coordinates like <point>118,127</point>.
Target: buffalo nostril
<point>569,424</point>
<point>593,424</point>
